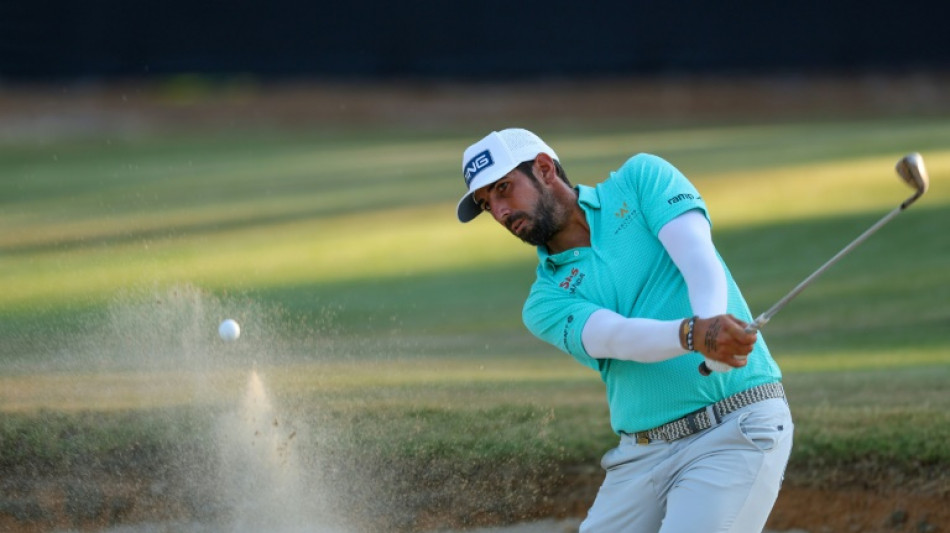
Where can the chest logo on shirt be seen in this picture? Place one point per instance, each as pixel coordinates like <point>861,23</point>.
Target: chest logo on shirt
<point>626,216</point>
<point>622,212</point>
<point>572,281</point>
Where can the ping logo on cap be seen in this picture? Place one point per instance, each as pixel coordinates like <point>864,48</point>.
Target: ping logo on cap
<point>477,164</point>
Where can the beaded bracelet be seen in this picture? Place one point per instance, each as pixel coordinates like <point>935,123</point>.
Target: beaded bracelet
<point>689,335</point>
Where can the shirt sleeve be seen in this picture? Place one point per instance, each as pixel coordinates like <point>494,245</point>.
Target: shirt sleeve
<point>559,319</point>
<point>663,191</point>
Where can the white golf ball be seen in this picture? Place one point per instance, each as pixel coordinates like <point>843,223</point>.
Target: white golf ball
<point>229,330</point>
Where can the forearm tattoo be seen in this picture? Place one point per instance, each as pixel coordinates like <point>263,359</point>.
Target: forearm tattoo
<point>711,335</point>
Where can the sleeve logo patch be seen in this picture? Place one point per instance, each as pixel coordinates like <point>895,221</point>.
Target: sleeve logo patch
<point>680,197</point>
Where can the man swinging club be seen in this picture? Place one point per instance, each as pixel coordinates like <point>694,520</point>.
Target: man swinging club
<point>630,284</point>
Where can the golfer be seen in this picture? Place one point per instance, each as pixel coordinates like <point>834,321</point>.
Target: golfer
<point>630,284</point>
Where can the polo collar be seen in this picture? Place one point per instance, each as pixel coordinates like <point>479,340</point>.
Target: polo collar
<point>588,197</point>
<point>589,200</point>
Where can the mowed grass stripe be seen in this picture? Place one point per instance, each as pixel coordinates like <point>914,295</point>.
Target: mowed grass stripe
<point>360,246</point>
<point>461,383</point>
<point>337,382</point>
<point>206,244</point>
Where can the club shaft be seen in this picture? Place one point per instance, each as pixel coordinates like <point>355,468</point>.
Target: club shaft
<point>767,315</point>
<point>911,169</point>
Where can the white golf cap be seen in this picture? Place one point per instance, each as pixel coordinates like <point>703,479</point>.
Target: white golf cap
<point>491,158</point>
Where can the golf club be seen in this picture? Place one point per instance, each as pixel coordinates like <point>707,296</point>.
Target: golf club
<point>912,172</point>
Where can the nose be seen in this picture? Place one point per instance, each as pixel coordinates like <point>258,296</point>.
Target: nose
<point>500,210</point>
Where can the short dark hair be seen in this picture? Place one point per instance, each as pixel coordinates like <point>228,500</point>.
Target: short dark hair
<point>528,166</point>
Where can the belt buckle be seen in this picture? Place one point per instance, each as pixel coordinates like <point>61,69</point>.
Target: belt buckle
<point>642,437</point>
<point>692,422</point>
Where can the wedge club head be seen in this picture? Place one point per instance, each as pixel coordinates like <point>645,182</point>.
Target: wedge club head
<point>911,170</point>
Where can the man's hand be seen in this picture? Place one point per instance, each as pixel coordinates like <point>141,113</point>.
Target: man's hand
<point>723,338</point>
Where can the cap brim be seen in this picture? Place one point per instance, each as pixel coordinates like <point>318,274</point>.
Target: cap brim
<point>467,208</point>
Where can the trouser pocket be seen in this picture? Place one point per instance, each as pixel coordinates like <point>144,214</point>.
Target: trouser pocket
<point>766,424</point>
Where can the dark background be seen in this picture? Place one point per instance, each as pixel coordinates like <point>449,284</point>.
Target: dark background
<point>491,40</point>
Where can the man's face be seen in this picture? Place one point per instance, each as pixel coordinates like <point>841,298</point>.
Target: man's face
<point>524,205</point>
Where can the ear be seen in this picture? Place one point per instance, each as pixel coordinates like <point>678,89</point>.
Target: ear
<point>546,169</point>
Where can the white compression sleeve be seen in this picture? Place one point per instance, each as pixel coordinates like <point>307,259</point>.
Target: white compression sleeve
<point>688,240</point>
<point>610,335</point>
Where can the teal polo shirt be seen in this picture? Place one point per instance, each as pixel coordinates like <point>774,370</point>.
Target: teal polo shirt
<point>627,270</point>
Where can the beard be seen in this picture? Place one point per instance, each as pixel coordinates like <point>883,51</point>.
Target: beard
<point>544,221</point>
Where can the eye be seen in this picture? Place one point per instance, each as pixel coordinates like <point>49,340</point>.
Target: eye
<point>502,186</point>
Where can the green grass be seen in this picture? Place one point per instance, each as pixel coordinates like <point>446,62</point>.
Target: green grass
<point>361,296</point>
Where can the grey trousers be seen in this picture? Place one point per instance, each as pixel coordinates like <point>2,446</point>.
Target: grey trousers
<point>721,480</point>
